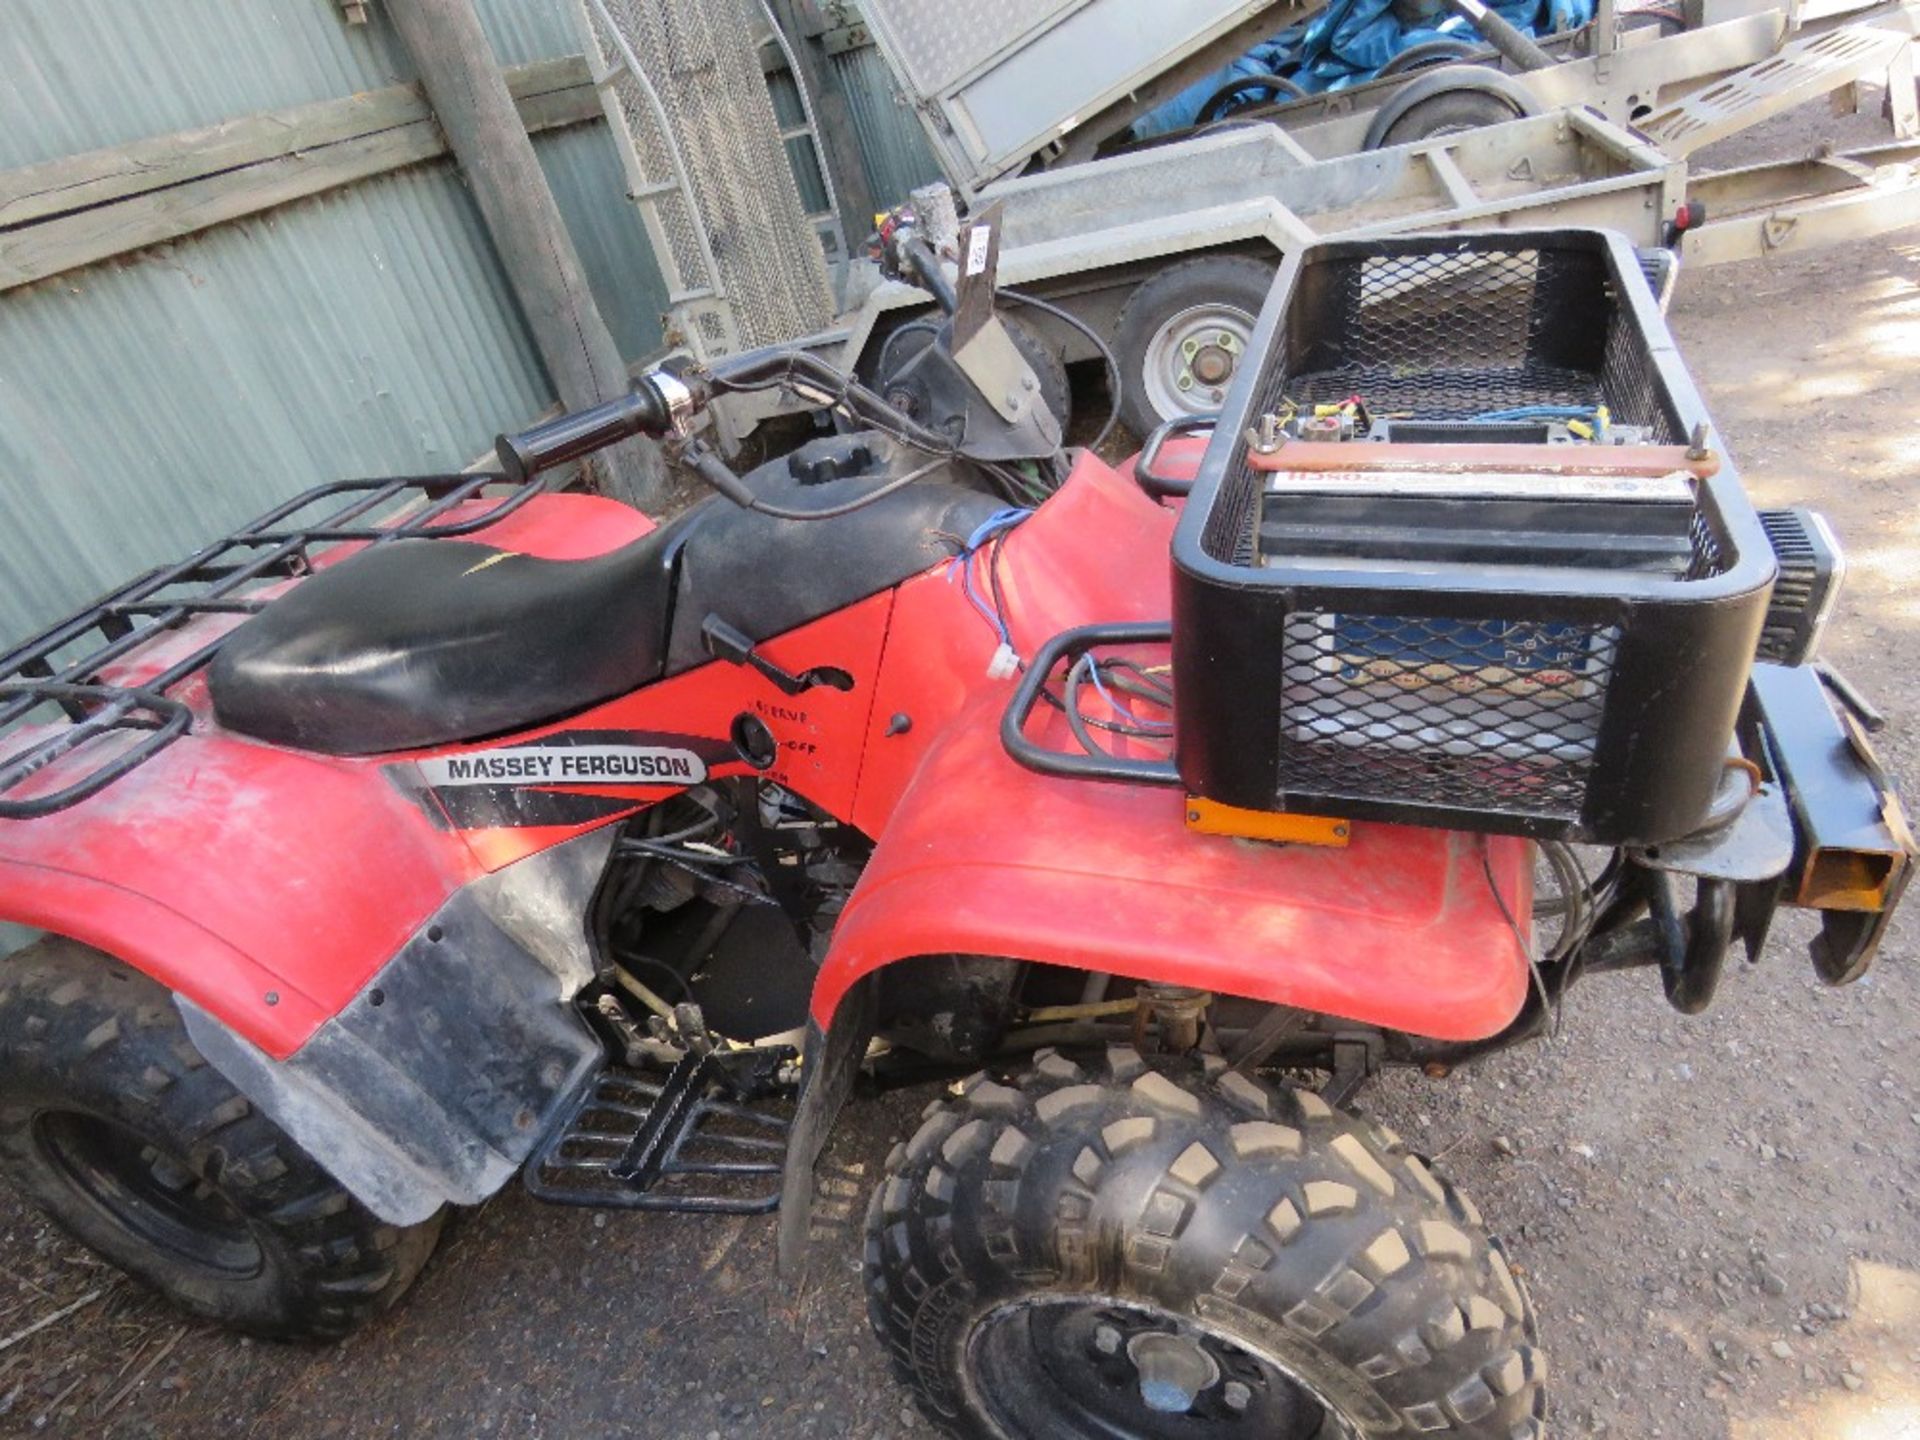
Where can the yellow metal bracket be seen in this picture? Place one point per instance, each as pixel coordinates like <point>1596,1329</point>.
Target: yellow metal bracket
<point>1210,817</point>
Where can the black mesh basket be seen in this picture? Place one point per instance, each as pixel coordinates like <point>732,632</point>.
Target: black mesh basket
<point>1549,661</point>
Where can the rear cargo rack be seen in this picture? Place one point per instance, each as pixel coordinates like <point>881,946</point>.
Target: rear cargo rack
<point>53,698</point>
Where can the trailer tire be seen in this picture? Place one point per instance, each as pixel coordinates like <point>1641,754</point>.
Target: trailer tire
<point>1301,1274</point>
<point>1185,302</point>
<point>119,1129</point>
<point>1448,100</point>
<point>1443,50</point>
<point>1449,114</point>
<point>1239,94</point>
<point>1056,391</point>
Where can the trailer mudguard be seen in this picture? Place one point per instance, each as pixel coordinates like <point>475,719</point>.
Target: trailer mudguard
<point>1402,928</point>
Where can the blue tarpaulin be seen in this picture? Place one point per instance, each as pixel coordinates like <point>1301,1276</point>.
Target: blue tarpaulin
<point>1348,42</point>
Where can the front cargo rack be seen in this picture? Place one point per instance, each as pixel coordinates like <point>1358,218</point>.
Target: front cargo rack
<point>58,706</point>
<point>1118,710</point>
<point>1531,610</point>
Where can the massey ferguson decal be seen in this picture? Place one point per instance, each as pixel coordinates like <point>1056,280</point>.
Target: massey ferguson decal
<point>577,778</point>
<point>570,765</point>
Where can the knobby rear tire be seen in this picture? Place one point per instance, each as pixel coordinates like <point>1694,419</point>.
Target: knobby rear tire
<point>118,1128</point>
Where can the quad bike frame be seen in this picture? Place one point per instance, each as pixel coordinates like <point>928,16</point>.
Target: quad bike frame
<point>378,861</point>
<point>405,1011</point>
<point>417,1033</point>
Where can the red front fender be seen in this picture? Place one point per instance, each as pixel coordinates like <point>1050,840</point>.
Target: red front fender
<point>1400,929</point>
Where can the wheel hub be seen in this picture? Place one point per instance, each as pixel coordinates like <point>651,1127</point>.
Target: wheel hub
<point>1173,1370</point>
<point>1075,1367</point>
<point>1213,364</point>
<point>145,1189</point>
<point>1193,358</point>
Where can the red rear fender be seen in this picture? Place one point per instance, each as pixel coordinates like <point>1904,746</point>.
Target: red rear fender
<point>265,885</point>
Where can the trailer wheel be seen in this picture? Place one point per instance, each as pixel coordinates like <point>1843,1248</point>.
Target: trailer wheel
<point>1056,393</point>
<point>1183,335</point>
<point>1243,92</point>
<point>1442,50</point>
<point>1134,1250</point>
<point>1449,114</point>
<point>121,1131</point>
<point>1448,100</point>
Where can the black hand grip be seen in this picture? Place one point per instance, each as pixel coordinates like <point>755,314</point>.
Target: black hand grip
<point>641,411</point>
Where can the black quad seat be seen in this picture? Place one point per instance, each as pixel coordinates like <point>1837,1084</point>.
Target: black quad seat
<point>425,642</point>
<point>420,643</point>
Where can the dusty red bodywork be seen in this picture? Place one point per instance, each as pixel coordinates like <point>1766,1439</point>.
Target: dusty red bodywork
<point>269,886</point>
<point>1399,929</point>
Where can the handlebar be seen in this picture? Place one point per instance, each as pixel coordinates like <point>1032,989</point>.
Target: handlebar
<point>658,404</point>
<point>924,267</point>
<point>663,403</point>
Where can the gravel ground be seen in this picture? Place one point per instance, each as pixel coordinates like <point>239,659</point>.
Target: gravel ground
<point>1717,1215</point>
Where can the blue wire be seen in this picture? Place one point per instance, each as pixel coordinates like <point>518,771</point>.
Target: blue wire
<point>985,532</point>
<point>1002,519</point>
<point>1550,412</point>
<point>1542,412</point>
<point>1106,696</point>
<point>1114,705</point>
<point>992,617</point>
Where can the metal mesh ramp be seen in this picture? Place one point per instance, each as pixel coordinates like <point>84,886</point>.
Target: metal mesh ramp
<point>688,104</point>
<point>1803,70</point>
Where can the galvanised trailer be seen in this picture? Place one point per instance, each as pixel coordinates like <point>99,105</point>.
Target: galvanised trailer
<point>1166,250</point>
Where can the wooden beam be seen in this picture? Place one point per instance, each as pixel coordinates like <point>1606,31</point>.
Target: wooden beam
<point>81,209</point>
<point>488,137</point>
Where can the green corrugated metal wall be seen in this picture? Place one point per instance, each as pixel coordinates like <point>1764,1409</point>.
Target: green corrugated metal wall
<point>148,400</point>
<point>893,148</point>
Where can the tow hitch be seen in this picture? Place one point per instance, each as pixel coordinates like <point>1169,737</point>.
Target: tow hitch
<point>1852,846</point>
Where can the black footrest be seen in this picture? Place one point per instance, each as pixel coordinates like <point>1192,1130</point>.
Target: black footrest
<point>693,1140</point>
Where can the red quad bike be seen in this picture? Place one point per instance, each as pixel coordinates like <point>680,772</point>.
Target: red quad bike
<point>430,832</point>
